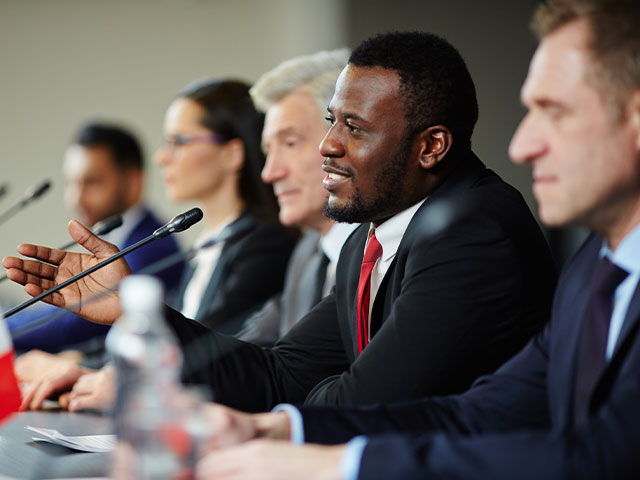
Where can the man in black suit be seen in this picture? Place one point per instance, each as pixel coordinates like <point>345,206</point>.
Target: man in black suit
<point>464,277</point>
<point>567,405</point>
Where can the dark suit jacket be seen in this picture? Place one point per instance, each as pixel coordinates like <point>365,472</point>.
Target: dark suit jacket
<point>471,282</point>
<point>303,287</point>
<point>70,330</point>
<point>517,423</point>
<point>249,271</point>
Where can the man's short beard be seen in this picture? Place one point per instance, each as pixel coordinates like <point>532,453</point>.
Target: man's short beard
<point>389,183</point>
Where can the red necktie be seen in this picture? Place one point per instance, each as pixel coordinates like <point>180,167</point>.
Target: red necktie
<point>371,255</point>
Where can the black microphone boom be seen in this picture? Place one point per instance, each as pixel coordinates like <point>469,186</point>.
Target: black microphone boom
<point>155,267</point>
<point>4,188</point>
<point>178,223</point>
<point>33,192</point>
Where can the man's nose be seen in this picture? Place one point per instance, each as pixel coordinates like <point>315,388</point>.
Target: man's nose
<point>331,146</point>
<point>528,142</point>
<point>274,168</point>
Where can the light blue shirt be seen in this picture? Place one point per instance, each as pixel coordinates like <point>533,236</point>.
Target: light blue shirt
<point>627,257</point>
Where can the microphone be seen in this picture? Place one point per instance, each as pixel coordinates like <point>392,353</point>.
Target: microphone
<point>4,188</point>
<point>100,228</point>
<point>152,269</point>
<point>178,223</point>
<point>30,194</point>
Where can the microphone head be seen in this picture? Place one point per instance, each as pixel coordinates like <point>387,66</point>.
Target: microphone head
<point>108,224</point>
<point>37,190</point>
<point>4,188</point>
<point>180,223</point>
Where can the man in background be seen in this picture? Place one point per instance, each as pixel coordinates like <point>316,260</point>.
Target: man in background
<point>294,96</point>
<point>104,174</point>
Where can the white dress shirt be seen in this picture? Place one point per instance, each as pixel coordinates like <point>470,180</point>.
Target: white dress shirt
<point>205,262</point>
<point>627,257</point>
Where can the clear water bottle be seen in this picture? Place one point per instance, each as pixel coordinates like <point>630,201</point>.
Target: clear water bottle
<point>148,413</point>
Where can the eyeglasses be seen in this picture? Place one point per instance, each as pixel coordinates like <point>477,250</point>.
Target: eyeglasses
<point>181,140</point>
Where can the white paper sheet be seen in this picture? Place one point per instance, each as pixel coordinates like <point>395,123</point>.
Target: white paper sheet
<point>84,443</point>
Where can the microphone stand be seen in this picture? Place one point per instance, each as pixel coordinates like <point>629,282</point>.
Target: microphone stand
<point>177,224</point>
<point>77,277</point>
<point>154,268</point>
<point>31,194</point>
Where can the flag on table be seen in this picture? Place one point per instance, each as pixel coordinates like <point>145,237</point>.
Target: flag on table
<point>9,390</point>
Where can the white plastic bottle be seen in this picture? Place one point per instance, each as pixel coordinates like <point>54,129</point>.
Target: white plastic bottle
<point>147,360</point>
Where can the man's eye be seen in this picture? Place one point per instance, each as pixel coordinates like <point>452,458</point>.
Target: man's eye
<point>331,120</point>
<point>352,127</point>
<point>180,140</point>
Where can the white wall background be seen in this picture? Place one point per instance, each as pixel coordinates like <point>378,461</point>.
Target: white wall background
<point>63,61</point>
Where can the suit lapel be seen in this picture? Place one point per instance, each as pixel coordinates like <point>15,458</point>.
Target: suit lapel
<point>632,317</point>
<point>571,313</point>
<point>209,297</point>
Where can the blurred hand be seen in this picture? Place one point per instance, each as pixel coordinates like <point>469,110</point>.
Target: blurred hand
<point>56,381</point>
<point>95,390</point>
<point>36,365</point>
<point>267,459</point>
<point>52,267</point>
<point>228,427</point>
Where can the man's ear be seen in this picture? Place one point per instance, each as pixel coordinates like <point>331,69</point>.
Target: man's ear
<point>134,181</point>
<point>633,112</point>
<point>434,143</point>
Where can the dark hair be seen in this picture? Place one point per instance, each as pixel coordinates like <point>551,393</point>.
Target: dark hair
<point>434,81</point>
<point>230,113</point>
<point>125,148</point>
<point>614,42</point>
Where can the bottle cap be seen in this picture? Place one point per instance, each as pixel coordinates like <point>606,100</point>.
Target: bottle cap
<point>140,293</point>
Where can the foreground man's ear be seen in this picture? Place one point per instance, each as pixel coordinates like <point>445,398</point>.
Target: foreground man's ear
<point>434,144</point>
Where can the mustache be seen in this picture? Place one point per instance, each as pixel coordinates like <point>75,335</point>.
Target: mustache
<point>331,164</point>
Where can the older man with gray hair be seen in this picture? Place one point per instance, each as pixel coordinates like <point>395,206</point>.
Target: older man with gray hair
<point>294,96</point>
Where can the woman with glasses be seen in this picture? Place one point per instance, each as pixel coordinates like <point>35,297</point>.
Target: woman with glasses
<point>211,156</point>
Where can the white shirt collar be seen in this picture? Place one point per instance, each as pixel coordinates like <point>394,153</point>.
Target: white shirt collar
<point>626,255</point>
<point>390,233</point>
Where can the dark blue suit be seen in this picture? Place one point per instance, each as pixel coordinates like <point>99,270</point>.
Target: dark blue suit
<point>518,422</point>
<point>70,329</point>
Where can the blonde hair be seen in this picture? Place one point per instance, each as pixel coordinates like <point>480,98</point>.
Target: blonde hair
<point>315,74</point>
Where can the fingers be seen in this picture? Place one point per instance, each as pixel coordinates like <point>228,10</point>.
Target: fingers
<point>18,270</point>
<point>88,240</point>
<point>228,426</point>
<point>93,391</point>
<point>64,399</point>
<point>39,390</point>
<point>46,254</point>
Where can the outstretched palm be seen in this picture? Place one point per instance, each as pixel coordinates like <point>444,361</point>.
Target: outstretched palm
<point>51,267</point>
